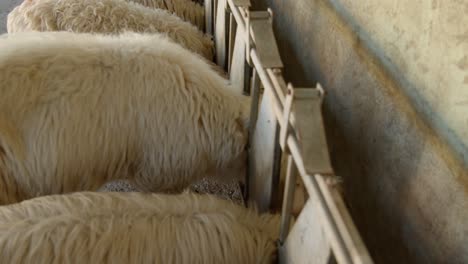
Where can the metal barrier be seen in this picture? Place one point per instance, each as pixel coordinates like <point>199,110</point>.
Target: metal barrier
<point>288,121</point>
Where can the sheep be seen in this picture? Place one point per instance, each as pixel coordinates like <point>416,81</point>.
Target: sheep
<point>79,110</point>
<point>106,16</point>
<point>90,227</point>
<point>185,9</point>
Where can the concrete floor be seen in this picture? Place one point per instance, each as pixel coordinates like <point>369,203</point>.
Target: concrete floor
<point>228,191</point>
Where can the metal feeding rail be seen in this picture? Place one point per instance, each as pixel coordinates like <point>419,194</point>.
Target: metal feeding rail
<point>289,121</point>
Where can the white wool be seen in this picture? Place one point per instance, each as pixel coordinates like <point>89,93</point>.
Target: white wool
<point>135,228</point>
<point>106,16</point>
<point>186,9</point>
<point>79,110</point>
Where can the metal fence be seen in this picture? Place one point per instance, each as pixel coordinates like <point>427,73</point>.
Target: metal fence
<point>284,121</point>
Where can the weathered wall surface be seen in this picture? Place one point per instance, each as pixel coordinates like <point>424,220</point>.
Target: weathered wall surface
<point>425,45</point>
<point>5,7</point>
<point>396,114</point>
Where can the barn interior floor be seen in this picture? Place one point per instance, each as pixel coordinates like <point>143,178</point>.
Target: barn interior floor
<point>228,191</point>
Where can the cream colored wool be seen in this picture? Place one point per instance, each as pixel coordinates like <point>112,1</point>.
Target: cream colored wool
<point>79,110</point>
<point>135,228</point>
<point>186,9</point>
<point>106,16</point>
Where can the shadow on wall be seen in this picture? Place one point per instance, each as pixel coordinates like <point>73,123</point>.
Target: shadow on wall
<point>293,37</point>
<point>283,22</point>
<point>407,193</point>
<point>399,78</point>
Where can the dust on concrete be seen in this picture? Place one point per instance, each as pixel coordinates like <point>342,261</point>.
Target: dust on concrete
<point>229,191</point>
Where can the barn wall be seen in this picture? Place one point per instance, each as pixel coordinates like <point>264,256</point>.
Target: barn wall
<point>396,112</point>
<point>5,7</point>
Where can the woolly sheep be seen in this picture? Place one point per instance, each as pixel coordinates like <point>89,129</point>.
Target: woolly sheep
<point>186,9</point>
<point>106,16</point>
<point>135,228</point>
<point>79,110</point>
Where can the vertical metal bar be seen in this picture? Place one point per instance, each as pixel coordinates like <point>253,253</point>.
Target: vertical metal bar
<point>227,35</point>
<point>214,9</point>
<point>275,179</point>
<point>247,74</point>
<point>209,17</point>
<point>237,74</point>
<point>231,39</point>
<point>288,199</point>
<point>235,11</point>
<point>306,242</point>
<point>255,100</point>
<point>220,33</point>
<point>255,84</point>
<point>348,232</point>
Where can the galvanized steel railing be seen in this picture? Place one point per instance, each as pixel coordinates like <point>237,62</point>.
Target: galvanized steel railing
<point>247,49</point>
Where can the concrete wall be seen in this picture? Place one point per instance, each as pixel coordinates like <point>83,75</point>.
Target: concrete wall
<point>425,45</point>
<point>5,7</point>
<point>396,73</point>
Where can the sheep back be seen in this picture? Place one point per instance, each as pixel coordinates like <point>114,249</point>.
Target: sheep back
<point>87,109</point>
<point>186,9</point>
<point>107,17</point>
<point>135,228</point>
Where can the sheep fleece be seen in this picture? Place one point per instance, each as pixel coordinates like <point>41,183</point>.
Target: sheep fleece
<point>186,9</point>
<point>78,110</point>
<point>106,16</point>
<point>92,227</point>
